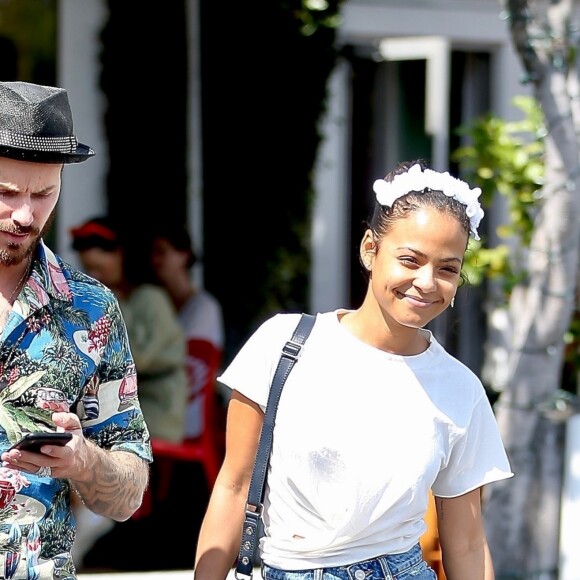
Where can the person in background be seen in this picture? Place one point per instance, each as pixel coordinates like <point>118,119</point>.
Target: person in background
<point>199,312</point>
<point>156,340</point>
<point>155,335</point>
<point>65,360</point>
<point>374,416</point>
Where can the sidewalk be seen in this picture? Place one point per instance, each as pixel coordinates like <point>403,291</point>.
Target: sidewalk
<point>158,575</point>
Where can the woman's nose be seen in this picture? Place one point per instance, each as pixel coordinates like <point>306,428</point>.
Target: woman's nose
<point>425,279</point>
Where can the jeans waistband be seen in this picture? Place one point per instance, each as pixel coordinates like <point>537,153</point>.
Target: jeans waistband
<point>409,564</point>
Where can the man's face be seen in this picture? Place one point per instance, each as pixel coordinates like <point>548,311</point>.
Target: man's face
<point>28,195</point>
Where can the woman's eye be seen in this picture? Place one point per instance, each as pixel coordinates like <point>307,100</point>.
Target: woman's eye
<point>451,269</point>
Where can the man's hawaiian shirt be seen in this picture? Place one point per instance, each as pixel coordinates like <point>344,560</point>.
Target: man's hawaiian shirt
<point>64,348</point>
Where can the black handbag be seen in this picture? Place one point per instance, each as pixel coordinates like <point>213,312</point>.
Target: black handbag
<point>290,353</point>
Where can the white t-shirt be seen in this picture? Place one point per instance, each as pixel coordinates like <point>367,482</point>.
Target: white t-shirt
<point>360,438</point>
<point>202,322</point>
<point>201,317</point>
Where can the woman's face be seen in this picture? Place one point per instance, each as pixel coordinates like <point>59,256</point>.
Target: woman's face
<point>167,260</point>
<point>416,268</point>
<point>105,266</point>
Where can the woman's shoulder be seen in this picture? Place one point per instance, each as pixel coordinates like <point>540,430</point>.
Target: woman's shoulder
<point>284,323</point>
<point>150,296</point>
<point>281,322</point>
<point>150,291</point>
<point>206,298</point>
<point>202,305</point>
<point>272,332</point>
<point>449,365</point>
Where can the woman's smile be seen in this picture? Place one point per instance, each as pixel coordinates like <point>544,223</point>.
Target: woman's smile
<point>416,301</point>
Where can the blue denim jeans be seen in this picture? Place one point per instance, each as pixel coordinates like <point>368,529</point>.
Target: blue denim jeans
<point>407,566</point>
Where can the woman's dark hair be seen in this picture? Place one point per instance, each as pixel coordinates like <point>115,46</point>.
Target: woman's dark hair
<point>178,236</point>
<point>384,217</point>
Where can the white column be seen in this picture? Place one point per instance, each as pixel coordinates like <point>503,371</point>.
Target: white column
<point>569,565</point>
<point>194,138</point>
<point>83,189</point>
<point>329,278</point>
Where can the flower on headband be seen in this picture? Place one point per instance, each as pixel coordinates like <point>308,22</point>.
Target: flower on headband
<point>416,180</point>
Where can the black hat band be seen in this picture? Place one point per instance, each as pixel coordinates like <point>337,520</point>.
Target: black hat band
<point>32,143</point>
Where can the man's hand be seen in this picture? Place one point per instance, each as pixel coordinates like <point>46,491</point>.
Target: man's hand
<point>110,483</point>
<point>61,459</point>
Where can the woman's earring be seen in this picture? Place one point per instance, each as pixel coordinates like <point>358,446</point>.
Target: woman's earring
<point>452,302</point>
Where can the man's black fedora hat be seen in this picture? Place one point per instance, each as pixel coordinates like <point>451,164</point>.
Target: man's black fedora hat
<point>36,124</point>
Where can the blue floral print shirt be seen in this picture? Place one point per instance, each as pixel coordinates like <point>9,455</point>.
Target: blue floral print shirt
<point>64,348</point>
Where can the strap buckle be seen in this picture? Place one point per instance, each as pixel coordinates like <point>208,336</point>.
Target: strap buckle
<point>245,564</point>
<point>254,511</point>
<point>292,350</point>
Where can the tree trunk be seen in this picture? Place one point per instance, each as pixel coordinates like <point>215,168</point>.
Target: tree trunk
<point>523,514</point>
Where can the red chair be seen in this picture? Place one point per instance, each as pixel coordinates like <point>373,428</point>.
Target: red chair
<point>207,448</point>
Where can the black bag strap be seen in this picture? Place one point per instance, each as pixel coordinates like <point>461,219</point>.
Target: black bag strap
<point>288,358</point>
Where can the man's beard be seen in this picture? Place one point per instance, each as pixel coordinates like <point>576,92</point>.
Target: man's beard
<point>15,254</point>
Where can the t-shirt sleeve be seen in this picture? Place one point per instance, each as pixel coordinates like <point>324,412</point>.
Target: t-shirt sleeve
<point>252,369</point>
<point>478,456</point>
<point>202,319</point>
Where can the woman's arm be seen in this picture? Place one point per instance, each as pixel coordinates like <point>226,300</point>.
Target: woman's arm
<point>221,529</point>
<point>464,548</point>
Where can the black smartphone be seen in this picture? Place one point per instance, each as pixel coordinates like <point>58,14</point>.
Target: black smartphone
<point>34,441</point>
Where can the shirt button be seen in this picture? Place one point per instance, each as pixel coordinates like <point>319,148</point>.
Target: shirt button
<point>359,575</point>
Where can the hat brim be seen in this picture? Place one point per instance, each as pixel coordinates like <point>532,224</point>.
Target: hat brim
<point>82,153</point>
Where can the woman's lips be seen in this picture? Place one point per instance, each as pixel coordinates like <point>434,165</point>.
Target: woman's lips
<point>418,301</point>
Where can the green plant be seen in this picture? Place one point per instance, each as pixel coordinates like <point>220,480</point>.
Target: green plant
<point>505,158</point>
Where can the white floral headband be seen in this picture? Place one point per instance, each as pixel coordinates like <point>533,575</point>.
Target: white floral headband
<point>416,180</point>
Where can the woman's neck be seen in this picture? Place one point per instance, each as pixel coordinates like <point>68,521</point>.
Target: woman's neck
<point>372,328</point>
<point>181,289</point>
